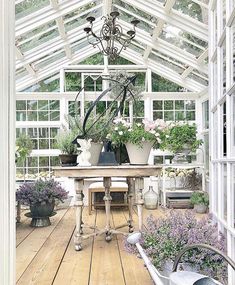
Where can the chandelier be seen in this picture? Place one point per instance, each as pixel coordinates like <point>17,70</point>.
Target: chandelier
<point>110,34</point>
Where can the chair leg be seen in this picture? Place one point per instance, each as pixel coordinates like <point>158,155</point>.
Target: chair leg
<point>89,201</point>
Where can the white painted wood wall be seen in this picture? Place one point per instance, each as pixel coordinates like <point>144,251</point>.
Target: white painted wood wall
<point>7,143</point>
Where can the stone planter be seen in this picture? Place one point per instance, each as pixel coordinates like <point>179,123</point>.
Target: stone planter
<point>200,208</point>
<point>137,154</point>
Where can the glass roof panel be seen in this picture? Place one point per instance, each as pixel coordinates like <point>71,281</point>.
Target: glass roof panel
<point>193,9</point>
<point>195,76</point>
<point>146,25</point>
<point>183,40</point>
<point>38,36</point>
<point>50,84</point>
<point>167,61</point>
<point>81,43</point>
<point>27,7</point>
<point>46,60</point>
<point>128,12</point>
<point>20,72</point>
<point>75,19</point>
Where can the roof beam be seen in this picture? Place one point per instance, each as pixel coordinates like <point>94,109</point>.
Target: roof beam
<point>175,18</point>
<point>166,48</point>
<point>27,66</point>
<point>158,29</point>
<point>46,15</point>
<point>53,68</point>
<point>60,25</point>
<point>201,58</point>
<point>107,7</point>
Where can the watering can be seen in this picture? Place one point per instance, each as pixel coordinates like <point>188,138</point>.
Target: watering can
<point>180,277</point>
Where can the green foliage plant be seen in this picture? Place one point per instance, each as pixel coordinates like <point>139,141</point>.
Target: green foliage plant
<point>64,142</point>
<point>200,198</point>
<point>24,146</point>
<point>181,135</point>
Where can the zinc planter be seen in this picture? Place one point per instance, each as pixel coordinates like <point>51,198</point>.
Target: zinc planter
<point>95,151</point>
<point>41,213</point>
<point>68,159</point>
<point>200,208</point>
<point>138,154</point>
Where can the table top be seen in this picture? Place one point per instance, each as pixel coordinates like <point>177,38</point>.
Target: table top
<point>108,171</point>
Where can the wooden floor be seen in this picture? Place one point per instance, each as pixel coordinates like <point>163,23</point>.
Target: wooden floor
<point>47,256</point>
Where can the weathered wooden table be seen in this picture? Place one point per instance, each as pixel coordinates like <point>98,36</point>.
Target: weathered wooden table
<point>134,176</point>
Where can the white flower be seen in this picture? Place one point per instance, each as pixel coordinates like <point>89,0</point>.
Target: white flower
<point>167,136</point>
<point>181,174</point>
<point>152,132</point>
<point>108,136</point>
<point>138,125</point>
<point>120,133</point>
<point>159,140</point>
<point>116,128</point>
<point>157,134</point>
<point>171,174</point>
<point>143,139</point>
<point>129,130</point>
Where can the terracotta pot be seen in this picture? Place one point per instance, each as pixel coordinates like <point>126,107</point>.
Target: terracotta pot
<point>138,154</point>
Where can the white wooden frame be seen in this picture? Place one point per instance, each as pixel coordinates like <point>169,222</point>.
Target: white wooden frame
<point>221,33</point>
<point>7,137</point>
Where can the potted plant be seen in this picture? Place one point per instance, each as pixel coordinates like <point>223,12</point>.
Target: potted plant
<point>181,139</point>
<point>24,146</point>
<point>139,138</point>
<point>95,129</point>
<point>40,196</point>
<point>164,237</point>
<point>200,200</point>
<point>68,150</point>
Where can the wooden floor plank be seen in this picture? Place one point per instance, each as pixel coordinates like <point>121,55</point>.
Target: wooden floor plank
<point>75,267</point>
<point>106,268</point>
<point>43,268</point>
<point>29,247</point>
<point>134,270</point>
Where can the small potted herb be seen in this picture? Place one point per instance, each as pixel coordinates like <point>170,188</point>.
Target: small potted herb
<point>68,150</point>
<point>200,200</point>
<point>41,196</point>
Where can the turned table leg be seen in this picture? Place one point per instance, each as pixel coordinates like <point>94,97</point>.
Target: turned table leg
<point>79,206</point>
<point>131,189</point>
<point>139,185</point>
<point>107,201</point>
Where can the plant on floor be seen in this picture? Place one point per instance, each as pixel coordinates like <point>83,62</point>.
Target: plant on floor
<point>200,200</point>
<point>164,237</point>
<point>41,196</point>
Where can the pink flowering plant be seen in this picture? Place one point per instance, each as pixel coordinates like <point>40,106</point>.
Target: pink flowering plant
<point>123,132</point>
<point>165,237</point>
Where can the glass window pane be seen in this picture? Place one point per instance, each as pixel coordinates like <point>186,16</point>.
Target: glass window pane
<point>20,105</point>
<point>54,105</point>
<point>43,105</point>
<point>43,144</point>
<point>33,161</point>
<point>32,105</point>
<point>169,116</point>
<point>32,116</point>
<point>21,116</point>
<point>179,115</point>
<point>157,105</point>
<point>54,160</point>
<point>190,115</point>
<point>157,115</point>
<point>43,161</point>
<point>43,116</point>
<point>54,116</point>
<point>190,105</point>
<point>179,104</point>
<point>168,105</point>
<point>25,8</point>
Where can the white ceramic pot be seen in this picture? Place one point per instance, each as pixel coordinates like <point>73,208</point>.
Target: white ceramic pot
<point>95,152</point>
<point>137,154</point>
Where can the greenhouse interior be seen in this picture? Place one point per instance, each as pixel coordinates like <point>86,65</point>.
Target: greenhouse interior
<point>117,142</point>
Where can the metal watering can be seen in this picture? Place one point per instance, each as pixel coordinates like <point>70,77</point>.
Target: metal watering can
<point>181,277</point>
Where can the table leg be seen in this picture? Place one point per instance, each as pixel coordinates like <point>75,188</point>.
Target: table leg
<point>131,189</point>
<point>79,206</point>
<point>139,185</point>
<point>107,201</point>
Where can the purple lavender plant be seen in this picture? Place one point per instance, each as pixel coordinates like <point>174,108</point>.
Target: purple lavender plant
<point>40,191</point>
<point>163,238</point>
